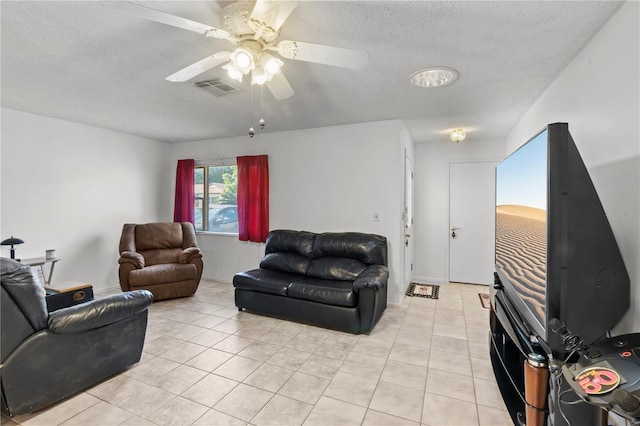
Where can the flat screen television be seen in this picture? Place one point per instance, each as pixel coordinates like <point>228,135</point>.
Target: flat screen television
<point>555,252</point>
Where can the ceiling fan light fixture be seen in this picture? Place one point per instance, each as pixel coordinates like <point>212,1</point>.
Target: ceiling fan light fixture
<point>233,72</point>
<point>433,77</point>
<point>270,64</point>
<point>258,76</point>
<point>242,60</point>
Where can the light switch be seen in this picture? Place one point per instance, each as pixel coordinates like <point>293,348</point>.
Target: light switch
<point>376,217</point>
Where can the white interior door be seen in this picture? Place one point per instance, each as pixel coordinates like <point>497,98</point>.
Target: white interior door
<point>407,218</point>
<point>471,222</point>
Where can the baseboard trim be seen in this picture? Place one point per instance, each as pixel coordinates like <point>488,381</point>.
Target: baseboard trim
<point>429,280</point>
<point>106,291</point>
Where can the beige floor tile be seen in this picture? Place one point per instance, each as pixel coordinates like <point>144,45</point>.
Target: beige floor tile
<point>447,361</point>
<point>373,347</point>
<point>160,344</point>
<point>482,368</point>
<point>209,338</point>
<point>333,348</point>
<point>405,374</point>
<point>209,360</point>
<point>350,388</point>
<point>445,330</point>
<point>269,377</point>
<point>210,390</point>
<point>450,319</point>
<point>59,412</point>
<point>282,411</point>
<point>289,358</point>
<point>259,351</point>
<point>363,365</point>
<point>230,326</point>
<point>376,418</point>
<point>304,342</point>
<point>453,385</point>
<point>479,349</point>
<point>132,395</point>
<point>410,354</point>
<point>233,344</point>
<point>278,337</point>
<point>244,402</point>
<point>487,393</point>
<point>254,331</point>
<point>178,330</point>
<point>183,352</point>
<point>216,418</point>
<point>237,368</point>
<point>399,401</point>
<point>304,387</point>
<point>448,344</point>
<point>330,411</point>
<point>178,411</point>
<point>441,410</point>
<point>179,380</point>
<point>209,321</point>
<point>321,366</point>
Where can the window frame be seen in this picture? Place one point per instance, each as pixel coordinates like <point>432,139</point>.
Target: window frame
<point>205,164</point>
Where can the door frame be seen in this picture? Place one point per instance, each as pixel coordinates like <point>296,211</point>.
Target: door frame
<point>407,217</point>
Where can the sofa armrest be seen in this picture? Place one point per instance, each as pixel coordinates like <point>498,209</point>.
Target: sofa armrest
<point>99,313</point>
<point>189,254</point>
<point>132,257</point>
<point>374,277</point>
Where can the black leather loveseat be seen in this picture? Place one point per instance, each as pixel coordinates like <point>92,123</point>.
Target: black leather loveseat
<point>337,280</point>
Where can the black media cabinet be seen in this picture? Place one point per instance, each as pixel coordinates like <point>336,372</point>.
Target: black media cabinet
<point>510,344</point>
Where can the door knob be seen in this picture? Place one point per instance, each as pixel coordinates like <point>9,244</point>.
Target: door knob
<point>453,231</point>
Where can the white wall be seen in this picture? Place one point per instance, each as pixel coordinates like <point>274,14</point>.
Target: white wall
<point>599,96</point>
<point>328,179</point>
<point>71,187</point>
<point>431,229</point>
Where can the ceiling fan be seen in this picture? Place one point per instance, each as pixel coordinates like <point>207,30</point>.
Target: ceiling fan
<point>254,27</point>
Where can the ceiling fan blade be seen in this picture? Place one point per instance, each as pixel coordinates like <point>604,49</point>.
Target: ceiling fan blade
<point>321,54</point>
<point>173,20</point>
<point>273,13</point>
<point>280,87</point>
<point>199,67</point>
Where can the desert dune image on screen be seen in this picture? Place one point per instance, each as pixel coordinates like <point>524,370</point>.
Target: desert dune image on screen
<point>521,222</point>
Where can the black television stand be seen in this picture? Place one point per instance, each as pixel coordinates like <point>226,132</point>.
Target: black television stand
<point>527,384</point>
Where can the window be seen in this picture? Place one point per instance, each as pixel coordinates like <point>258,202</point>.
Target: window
<point>215,208</point>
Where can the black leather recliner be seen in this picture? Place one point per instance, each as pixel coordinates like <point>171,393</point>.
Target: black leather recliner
<point>47,357</point>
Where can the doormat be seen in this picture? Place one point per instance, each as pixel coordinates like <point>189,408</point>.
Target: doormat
<point>485,300</point>
<point>423,290</point>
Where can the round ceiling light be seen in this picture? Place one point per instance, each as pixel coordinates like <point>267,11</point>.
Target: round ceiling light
<point>433,77</point>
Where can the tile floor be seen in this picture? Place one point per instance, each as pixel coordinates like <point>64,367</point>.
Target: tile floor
<point>205,363</point>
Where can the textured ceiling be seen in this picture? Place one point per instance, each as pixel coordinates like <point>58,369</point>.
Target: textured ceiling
<point>87,62</point>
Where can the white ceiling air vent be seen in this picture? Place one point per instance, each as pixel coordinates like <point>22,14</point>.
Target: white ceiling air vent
<point>218,87</point>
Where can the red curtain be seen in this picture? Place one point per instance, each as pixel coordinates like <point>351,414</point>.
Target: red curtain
<point>185,192</point>
<point>253,198</point>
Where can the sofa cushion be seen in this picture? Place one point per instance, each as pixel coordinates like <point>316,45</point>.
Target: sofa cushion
<point>162,274</point>
<point>285,240</point>
<point>286,262</point>
<point>367,248</point>
<point>329,292</point>
<point>264,281</point>
<point>336,268</point>
<point>158,236</point>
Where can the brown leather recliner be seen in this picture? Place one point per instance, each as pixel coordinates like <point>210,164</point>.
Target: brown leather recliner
<point>160,257</point>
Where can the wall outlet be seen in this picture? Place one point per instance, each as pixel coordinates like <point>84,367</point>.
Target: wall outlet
<point>376,217</point>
